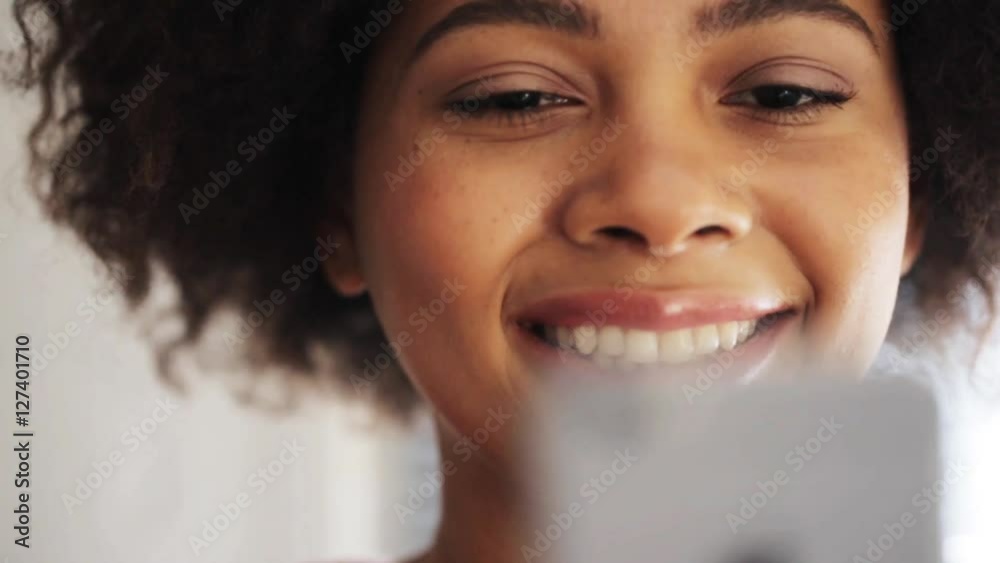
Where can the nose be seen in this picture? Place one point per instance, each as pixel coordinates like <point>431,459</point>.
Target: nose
<point>667,199</point>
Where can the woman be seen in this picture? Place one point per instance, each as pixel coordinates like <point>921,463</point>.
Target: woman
<point>462,194</point>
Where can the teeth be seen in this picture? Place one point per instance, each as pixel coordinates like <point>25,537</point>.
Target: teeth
<point>706,340</point>
<point>676,346</point>
<point>611,341</point>
<point>729,334</point>
<point>585,339</point>
<point>613,346</point>
<point>641,346</point>
<point>564,337</point>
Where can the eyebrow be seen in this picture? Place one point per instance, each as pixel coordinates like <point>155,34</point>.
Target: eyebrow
<point>715,19</point>
<point>576,20</point>
<point>727,16</point>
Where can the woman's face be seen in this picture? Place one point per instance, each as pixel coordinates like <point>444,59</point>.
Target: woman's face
<point>700,190</point>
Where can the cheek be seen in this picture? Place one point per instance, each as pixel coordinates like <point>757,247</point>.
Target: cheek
<point>846,226</point>
<point>446,219</point>
<point>447,224</point>
<point>454,209</point>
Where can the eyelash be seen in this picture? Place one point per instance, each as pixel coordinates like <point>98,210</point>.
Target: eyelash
<point>821,100</point>
<point>492,107</point>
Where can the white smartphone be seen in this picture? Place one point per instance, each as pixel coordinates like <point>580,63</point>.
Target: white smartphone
<point>807,472</point>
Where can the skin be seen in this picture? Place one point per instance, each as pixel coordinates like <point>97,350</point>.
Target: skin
<point>661,182</point>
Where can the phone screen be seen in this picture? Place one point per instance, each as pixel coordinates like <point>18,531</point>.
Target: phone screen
<point>808,472</point>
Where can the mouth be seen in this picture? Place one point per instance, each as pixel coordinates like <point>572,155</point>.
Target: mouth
<point>652,332</point>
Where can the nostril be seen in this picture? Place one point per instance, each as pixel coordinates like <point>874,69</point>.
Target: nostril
<point>622,233</point>
<point>711,230</point>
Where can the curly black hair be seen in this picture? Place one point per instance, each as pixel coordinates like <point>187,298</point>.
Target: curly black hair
<point>197,80</point>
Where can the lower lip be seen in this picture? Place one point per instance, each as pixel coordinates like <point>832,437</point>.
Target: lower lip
<point>742,364</point>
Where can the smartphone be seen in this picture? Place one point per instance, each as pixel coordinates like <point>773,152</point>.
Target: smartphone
<point>814,471</point>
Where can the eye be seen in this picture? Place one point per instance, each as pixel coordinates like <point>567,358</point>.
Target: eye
<point>522,101</point>
<point>784,97</point>
<point>780,97</point>
<point>517,106</point>
<point>785,104</point>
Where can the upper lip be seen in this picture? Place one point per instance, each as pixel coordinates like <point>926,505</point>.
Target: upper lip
<point>649,310</point>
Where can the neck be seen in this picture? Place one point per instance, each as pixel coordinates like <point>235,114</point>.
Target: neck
<point>478,522</point>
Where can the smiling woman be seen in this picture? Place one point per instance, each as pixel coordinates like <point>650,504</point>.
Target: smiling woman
<point>618,185</point>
